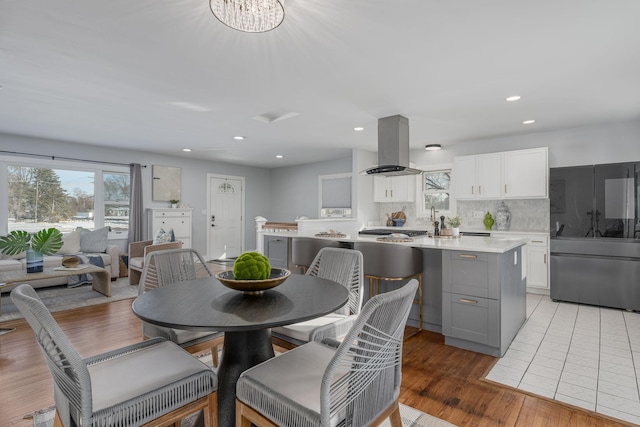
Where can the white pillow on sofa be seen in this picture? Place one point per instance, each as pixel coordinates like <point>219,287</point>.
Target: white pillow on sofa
<point>70,243</point>
<point>94,241</point>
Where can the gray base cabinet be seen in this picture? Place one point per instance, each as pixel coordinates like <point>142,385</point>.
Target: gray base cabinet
<point>483,299</point>
<point>278,250</point>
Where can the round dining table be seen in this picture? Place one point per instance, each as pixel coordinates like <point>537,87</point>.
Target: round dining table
<point>245,318</point>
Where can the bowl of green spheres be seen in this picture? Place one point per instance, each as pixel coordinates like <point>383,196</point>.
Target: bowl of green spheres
<point>252,273</point>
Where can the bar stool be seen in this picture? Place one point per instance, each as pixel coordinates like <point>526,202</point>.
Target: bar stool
<point>391,262</point>
<point>305,249</point>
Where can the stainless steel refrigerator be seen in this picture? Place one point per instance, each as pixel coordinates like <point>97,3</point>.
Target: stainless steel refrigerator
<point>595,234</point>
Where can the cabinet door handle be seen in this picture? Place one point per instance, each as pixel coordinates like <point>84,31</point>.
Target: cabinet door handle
<point>391,193</point>
<point>468,256</point>
<point>386,193</point>
<point>505,188</point>
<point>545,258</point>
<point>467,301</point>
<point>472,192</point>
<point>479,189</point>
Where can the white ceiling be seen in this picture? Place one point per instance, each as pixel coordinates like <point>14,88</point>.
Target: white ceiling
<point>111,73</point>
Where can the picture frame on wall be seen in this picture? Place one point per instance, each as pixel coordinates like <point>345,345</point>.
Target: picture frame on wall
<point>166,183</point>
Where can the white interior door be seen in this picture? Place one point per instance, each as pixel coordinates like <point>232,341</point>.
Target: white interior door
<point>226,200</point>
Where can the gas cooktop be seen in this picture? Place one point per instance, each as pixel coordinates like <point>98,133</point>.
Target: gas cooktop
<point>387,231</point>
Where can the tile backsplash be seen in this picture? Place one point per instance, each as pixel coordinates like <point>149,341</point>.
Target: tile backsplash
<point>526,214</point>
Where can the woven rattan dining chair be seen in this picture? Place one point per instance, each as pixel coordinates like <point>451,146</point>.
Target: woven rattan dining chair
<point>340,265</point>
<point>354,383</point>
<point>152,383</point>
<point>163,268</point>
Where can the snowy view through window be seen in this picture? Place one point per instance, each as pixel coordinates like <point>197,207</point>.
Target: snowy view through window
<point>65,199</point>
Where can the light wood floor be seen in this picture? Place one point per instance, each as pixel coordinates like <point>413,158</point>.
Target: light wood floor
<point>440,380</point>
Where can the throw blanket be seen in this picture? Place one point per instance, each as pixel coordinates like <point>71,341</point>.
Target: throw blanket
<point>87,278</point>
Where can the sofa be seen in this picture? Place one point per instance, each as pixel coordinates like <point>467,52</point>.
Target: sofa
<point>138,252</point>
<point>79,242</point>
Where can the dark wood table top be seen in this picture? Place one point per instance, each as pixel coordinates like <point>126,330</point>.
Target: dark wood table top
<point>206,304</point>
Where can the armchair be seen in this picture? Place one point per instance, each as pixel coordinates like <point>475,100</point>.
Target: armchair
<point>138,252</point>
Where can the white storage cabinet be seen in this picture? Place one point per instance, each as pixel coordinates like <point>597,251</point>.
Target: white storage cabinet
<point>519,174</point>
<point>394,188</point>
<point>180,220</point>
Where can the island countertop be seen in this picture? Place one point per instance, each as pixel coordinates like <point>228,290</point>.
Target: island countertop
<point>464,243</point>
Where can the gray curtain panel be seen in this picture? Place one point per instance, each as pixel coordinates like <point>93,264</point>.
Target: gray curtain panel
<point>135,199</point>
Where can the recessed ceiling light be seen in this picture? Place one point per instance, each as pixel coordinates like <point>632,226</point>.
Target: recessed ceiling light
<point>239,138</point>
<point>279,156</point>
<point>528,122</point>
<point>433,147</point>
<point>513,98</point>
<point>186,150</point>
<point>358,129</point>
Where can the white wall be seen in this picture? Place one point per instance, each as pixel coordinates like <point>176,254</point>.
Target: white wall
<point>194,178</point>
<point>294,189</point>
<point>604,143</point>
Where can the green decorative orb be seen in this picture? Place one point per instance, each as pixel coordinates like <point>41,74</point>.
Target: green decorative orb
<point>251,266</point>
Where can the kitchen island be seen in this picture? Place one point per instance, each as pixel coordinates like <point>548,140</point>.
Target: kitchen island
<point>474,289</point>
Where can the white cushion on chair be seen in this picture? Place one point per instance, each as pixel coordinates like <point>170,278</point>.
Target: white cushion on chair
<point>302,330</point>
<point>296,375</point>
<point>142,371</point>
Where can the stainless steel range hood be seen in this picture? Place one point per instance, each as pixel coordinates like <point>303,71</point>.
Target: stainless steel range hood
<point>393,148</point>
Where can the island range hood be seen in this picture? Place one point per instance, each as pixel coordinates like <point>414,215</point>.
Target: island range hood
<point>393,148</point>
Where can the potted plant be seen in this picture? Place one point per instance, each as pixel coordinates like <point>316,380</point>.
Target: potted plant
<point>454,224</point>
<point>174,203</point>
<point>44,242</point>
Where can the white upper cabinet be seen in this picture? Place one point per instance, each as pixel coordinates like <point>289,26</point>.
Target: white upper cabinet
<point>521,174</point>
<point>394,188</point>
<point>478,177</point>
<point>526,174</point>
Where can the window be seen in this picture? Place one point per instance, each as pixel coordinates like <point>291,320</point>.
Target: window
<point>41,195</point>
<point>335,195</point>
<point>436,191</point>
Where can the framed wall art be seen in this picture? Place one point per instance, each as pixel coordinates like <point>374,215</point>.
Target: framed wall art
<point>167,183</point>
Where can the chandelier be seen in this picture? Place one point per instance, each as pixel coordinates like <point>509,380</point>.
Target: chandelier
<point>251,16</point>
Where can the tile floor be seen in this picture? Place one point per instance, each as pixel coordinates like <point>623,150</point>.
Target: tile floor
<point>582,355</point>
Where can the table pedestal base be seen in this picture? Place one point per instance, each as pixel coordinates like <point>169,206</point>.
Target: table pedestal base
<point>235,360</point>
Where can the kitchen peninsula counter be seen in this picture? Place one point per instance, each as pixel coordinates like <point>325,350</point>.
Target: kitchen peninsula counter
<point>464,243</point>
<point>474,287</point>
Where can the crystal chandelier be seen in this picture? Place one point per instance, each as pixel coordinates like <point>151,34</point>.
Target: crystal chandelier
<point>251,16</point>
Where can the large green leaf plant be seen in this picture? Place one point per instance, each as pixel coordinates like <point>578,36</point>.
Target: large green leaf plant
<point>47,241</point>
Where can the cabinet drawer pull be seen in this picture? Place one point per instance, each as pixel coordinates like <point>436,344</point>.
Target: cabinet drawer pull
<point>537,241</point>
<point>467,301</point>
<point>468,256</point>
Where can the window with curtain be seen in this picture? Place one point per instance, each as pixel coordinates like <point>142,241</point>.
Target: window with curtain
<point>46,195</point>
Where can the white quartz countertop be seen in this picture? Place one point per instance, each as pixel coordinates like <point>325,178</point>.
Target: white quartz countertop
<point>464,243</point>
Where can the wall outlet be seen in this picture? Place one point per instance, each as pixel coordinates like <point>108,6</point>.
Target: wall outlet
<point>478,214</point>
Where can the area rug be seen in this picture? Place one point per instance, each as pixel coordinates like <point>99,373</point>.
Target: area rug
<point>59,298</point>
<point>411,417</point>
